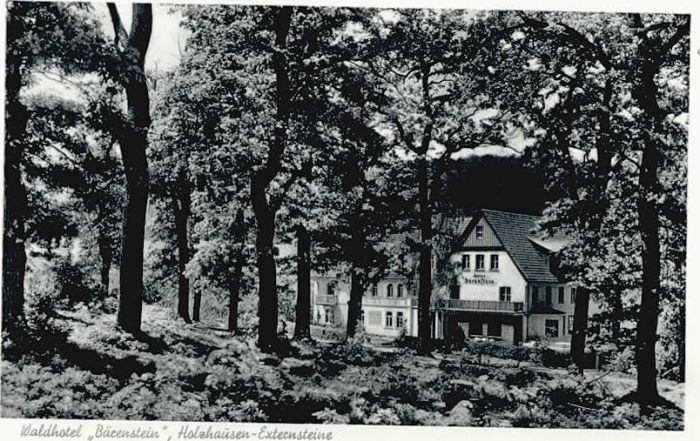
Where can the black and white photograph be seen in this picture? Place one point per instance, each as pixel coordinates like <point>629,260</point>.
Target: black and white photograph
<point>340,215</point>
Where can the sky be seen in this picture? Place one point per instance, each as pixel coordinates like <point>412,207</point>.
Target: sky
<point>163,53</point>
<point>167,40</point>
<point>163,50</point>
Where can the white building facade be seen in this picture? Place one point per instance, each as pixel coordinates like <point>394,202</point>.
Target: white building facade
<point>388,308</point>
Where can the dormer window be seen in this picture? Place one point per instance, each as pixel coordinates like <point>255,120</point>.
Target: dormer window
<point>479,233</point>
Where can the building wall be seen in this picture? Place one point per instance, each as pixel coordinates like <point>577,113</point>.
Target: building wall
<point>537,323</point>
<point>488,238</point>
<point>484,285</point>
<point>375,320</point>
<point>536,327</point>
<point>375,306</point>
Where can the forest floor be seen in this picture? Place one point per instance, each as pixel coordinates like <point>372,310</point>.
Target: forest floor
<point>82,367</point>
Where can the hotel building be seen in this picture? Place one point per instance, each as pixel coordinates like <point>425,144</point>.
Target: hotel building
<point>503,287</point>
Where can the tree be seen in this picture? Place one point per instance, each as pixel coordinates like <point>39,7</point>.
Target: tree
<point>70,42</point>
<point>426,67</point>
<point>69,146</point>
<point>260,182</point>
<point>591,91</point>
<point>133,142</point>
<point>654,51</point>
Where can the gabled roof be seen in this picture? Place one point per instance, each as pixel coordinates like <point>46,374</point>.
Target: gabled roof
<point>516,233</point>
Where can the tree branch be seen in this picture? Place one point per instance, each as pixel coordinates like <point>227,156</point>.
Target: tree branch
<point>120,35</point>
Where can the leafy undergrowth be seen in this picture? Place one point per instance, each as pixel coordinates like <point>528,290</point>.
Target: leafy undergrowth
<point>178,371</point>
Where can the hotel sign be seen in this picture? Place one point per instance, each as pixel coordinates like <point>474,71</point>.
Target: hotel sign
<point>479,279</point>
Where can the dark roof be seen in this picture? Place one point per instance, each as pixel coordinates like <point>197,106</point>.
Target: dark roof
<point>453,223</point>
<point>515,230</point>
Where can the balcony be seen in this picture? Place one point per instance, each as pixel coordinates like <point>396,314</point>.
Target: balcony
<point>388,301</point>
<point>481,305</point>
<point>326,300</point>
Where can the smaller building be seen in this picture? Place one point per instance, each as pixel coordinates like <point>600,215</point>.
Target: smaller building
<point>389,307</point>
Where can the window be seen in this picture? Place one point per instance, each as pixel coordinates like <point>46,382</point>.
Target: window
<point>330,315</point>
<point>494,329</point>
<point>535,300</point>
<point>479,232</point>
<point>362,316</point>
<point>330,289</point>
<point>454,291</point>
<point>374,290</point>
<point>504,293</point>
<point>494,262</point>
<point>571,324</point>
<point>399,319</point>
<point>390,290</point>
<point>548,295</point>
<point>476,328</point>
<point>465,262</point>
<point>551,328</point>
<point>561,295</point>
<point>389,319</point>
<point>375,318</point>
<point>399,290</point>
<point>479,262</point>
<point>573,295</point>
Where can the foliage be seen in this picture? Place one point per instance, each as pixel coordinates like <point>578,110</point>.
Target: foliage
<point>187,372</point>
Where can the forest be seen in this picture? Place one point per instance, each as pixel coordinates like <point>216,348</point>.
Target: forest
<point>162,225</point>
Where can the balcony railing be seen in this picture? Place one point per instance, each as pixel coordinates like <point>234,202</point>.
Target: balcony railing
<point>388,301</point>
<point>481,305</point>
<point>326,300</point>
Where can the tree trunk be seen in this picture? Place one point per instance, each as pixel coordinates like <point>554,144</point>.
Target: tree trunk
<point>14,208</point>
<point>15,200</point>
<point>234,284</point>
<point>357,281</point>
<point>648,212</point>
<point>302,328</point>
<point>357,289</point>
<point>105,249</point>
<point>264,212</point>
<point>133,142</point>
<point>196,304</point>
<point>578,336</point>
<point>131,266</point>
<point>651,272</point>
<point>616,317</point>
<point>267,269</point>
<point>181,208</point>
<point>425,286</point>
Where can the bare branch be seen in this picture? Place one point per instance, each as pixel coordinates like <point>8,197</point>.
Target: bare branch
<point>120,35</point>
